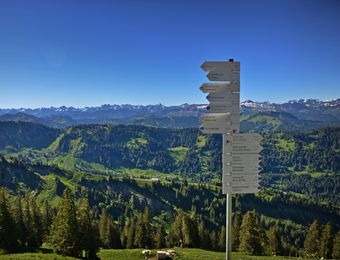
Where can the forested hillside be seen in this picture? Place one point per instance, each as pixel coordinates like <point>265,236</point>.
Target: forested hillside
<point>124,169</point>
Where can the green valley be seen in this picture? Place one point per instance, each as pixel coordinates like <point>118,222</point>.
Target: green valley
<point>124,169</point>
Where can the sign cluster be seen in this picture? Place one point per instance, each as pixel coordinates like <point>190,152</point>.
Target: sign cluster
<point>240,151</point>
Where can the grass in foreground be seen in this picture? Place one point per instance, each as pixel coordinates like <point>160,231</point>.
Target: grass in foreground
<point>181,254</point>
<point>135,254</point>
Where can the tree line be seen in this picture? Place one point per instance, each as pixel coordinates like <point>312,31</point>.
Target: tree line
<point>74,231</point>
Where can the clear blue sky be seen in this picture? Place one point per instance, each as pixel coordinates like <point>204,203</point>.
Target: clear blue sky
<point>85,53</point>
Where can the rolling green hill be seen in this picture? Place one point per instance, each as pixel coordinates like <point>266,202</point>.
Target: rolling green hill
<point>17,135</point>
<point>113,167</point>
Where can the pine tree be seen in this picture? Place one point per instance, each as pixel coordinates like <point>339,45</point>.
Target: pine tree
<point>252,235</point>
<point>235,231</point>
<point>326,241</point>
<point>104,230</point>
<point>336,246</point>
<point>147,241</point>
<point>8,238</point>
<point>213,239</point>
<point>115,236</point>
<point>160,236</point>
<point>274,242</point>
<point>37,224</point>
<point>130,240</point>
<point>89,241</point>
<point>205,240</point>
<point>47,219</point>
<point>195,239</point>
<point>222,239</point>
<point>64,231</point>
<point>176,235</point>
<point>140,231</point>
<point>28,222</point>
<point>312,240</point>
<point>19,220</point>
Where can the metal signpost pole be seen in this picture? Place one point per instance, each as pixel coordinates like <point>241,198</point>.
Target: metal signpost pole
<point>228,204</point>
<point>228,225</point>
<point>240,155</point>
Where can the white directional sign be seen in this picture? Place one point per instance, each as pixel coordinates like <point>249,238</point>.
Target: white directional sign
<point>241,180</point>
<point>216,87</point>
<point>225,96</point>
<point>216,123</point>
<point>244,143</point>
<point>247,137</point>
<point>244,158</point>
<point>232,76</point>
<point>241,169</point>
<point>222,107</point>
<point>246,149</point>
<point>243,189</point>
<point>241,162</point>
<point>221,66</point>
<point>217,117</point>
<point>215,129</point>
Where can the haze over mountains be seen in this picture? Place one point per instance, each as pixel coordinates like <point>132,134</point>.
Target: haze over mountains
<point>293,115</point>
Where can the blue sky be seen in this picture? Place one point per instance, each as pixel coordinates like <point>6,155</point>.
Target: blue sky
<point>85,53</point>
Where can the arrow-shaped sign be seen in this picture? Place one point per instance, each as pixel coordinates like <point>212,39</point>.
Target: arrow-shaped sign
<point>215,129</point>
<point>222,107</point>
<point>246,149</point>
<point>216,87</point>
<point>216,117</point>
<point>246,157</point>
<point>230,76</point>
<point>247,137</point>
<point>221,66</point>
<point>224,96</point>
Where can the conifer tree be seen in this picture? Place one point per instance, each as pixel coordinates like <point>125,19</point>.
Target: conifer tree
<point>130,240</point>
<point>213,239</point>
<point>47,219</point>
<point>89,241</point>
<point>8,236</point>
<point>147,241</point>
<point>326,241</point>
<point>312,240</point>
<point>64,235</point>
<point>222,239</point>
<point>336,246</point>
<point>195,239</point>
<point>252,235</point>
<point>274,242</point>
<point>37,224</point>
<point>176,235</point>
<point>235,231</point>
<point>143,230</point>
<point>115,236</point>
<point>160,235</point>
<point>28,222</point>
<point>140,232</point>
<point>190,230</point>
<point>19,220</point>
<point>205,240</point>
<point>104,230</point>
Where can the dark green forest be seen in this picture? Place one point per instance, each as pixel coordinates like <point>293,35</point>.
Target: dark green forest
<point>168,181</point>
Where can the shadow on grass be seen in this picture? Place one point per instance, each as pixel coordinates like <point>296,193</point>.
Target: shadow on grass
<point>27,249</point>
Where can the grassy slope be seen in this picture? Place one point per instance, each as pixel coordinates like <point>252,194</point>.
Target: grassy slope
<point>135,254</point>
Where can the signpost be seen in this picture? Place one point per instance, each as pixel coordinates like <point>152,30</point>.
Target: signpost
<point>240,155</point>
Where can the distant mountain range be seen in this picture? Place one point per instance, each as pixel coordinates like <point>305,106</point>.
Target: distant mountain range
<point>314,113</point>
